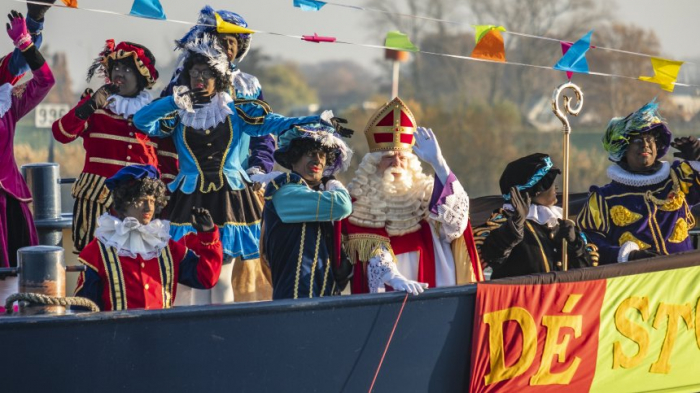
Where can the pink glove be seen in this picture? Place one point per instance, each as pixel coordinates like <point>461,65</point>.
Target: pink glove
<point>17,30</point>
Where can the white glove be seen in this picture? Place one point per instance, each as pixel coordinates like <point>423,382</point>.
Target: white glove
<point>335,185</point>
<point>399,283</point>
<point>254,170</point>
<point>428,150</point>
<point>182,98</point>
<point>264,178</point>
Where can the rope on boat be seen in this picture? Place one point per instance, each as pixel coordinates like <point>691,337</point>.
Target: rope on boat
<point>38,298</point>
<point>386,348</point>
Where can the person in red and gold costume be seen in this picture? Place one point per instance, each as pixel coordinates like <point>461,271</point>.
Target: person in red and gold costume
<point>104,120</point>
<point>133,262</point>
<point>408,230</point>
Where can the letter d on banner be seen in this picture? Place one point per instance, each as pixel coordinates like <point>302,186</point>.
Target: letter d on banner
<point>497,350</point>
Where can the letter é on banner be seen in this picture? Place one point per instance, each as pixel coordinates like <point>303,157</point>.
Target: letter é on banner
<point>553,349</point>
<point>497,351</point>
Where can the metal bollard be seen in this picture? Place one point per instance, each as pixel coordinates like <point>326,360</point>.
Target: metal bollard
<point>42,270</point>
<point>44,181</point>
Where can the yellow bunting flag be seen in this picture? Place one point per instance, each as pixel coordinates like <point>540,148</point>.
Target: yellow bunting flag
<point>229,28</point>
<point>665,73</point>
<point>399,41</point>
<point>482,30</point>
<point>71,3</point>
<point>489,45</point>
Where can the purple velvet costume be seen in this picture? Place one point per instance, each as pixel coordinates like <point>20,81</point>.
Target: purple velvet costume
<point>16,223</point>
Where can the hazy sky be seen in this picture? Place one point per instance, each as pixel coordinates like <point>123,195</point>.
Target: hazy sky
<point>82,33</point>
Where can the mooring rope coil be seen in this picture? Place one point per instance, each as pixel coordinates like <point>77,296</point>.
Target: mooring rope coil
<point>50,301</point>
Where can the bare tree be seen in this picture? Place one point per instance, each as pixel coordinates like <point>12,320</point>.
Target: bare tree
<point>416,28</point>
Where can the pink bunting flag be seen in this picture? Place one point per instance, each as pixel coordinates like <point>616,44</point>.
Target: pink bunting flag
<point>317,38</point>
<point>564,48</point>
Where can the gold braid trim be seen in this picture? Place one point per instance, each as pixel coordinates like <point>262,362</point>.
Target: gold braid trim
<point>249,119</point>
<point>363,247</point>
<point>671,195</point>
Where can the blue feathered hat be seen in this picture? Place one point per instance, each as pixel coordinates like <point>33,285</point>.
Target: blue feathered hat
<point>131,173</point>
<point>206,25</point>
<point>622,129</point>
<point>326,137</point>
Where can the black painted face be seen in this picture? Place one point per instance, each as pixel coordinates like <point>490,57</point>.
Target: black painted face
<point>547,197</point>
<point>125,75</point>
<point>202,77</point>
<point>310,166</point>
<point>641,152</point>
<point>229,43</point>
<point>141,209</point>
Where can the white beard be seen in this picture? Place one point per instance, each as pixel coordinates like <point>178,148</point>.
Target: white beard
<point>398,204</point>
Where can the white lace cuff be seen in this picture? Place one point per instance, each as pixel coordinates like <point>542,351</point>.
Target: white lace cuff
<point>625,251</point>
<point>182,99</point>
<point>453,214</point>
<point>380,269</point>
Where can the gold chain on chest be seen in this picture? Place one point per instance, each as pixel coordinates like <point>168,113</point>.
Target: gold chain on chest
<point>649,196</point>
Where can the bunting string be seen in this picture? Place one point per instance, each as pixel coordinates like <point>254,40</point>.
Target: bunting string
<point>373,46</point>
<point>439,20</point>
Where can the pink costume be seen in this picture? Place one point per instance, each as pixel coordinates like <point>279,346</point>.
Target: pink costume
<point>16,223</point>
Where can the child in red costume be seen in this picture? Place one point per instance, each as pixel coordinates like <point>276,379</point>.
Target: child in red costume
<point>132,262</point>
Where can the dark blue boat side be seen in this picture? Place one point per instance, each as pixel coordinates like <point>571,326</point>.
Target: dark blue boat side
<point>319,345</point>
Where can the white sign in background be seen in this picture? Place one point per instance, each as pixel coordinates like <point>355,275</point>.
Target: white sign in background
<point>46,114</point>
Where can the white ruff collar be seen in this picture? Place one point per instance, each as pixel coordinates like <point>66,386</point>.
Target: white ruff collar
<point>128,106</point>
<point>130,238</point>
<point>616,173</point>
<point>210,114</point>
<point>543,215</point>
<point>5,98</point>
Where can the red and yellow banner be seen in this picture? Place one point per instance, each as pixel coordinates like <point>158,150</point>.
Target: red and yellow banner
<point>635,333</point>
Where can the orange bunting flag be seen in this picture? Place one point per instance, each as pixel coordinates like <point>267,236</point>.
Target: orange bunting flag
<point>665,73</point>
<point>71,3</point>
<point>490,46</point>
<point>229,28</point>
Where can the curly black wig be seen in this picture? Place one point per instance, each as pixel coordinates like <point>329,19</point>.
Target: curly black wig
<point>302,146</point>
<point>221,83</point>
<point>129,192</point>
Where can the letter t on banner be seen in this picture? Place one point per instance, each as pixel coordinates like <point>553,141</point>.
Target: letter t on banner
<point>148,9</point>
<point>575,58</point>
